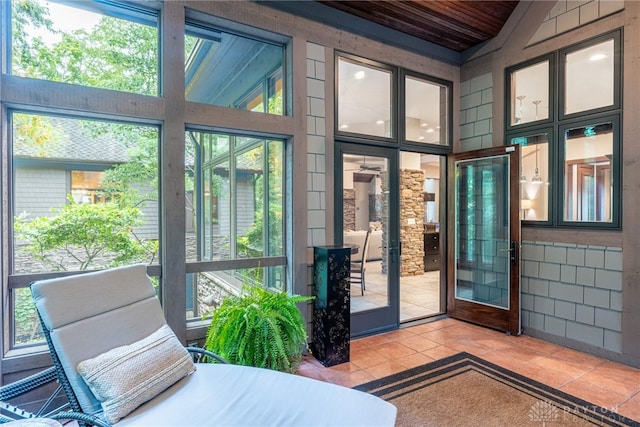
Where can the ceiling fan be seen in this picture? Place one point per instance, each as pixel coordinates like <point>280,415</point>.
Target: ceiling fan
<point>366,167</point>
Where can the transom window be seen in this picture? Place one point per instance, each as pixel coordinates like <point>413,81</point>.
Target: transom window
<point>231,70</point>
<point>370,95</point>
<point>570,157</point>
<point>87,49</point>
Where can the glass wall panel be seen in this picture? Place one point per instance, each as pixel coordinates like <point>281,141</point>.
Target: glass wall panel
<point>534,176</point>
<point>233,71</point>
<point>76,43</point>
<point>58,229</point>
<point>588,181</point>
<point>592,68</point>
<point>235,195</point>
<point>482,236</point>
<point>207,290</point>
<point>85,197</point>
<point>366,183</point>
<point>364,99</point>
<point>529,94</point>
<point>426,110</point>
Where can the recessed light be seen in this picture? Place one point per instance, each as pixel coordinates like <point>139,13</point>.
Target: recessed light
<point>430,130</point>
<point>421,138</point>
<point>423,125</point>
<point>597,57</point>
<point>344,126</point>
<point>380,122</point>
<point>359,75</point>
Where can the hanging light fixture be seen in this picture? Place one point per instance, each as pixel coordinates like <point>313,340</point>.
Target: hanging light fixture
<point>536,179</point>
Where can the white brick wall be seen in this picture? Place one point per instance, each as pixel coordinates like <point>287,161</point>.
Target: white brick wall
<point>573,291</point>
<point>569,14</point>
<point>476,113</point>
<point>316,152</point>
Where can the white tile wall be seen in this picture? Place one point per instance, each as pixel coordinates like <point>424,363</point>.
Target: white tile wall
<point>316,148</point>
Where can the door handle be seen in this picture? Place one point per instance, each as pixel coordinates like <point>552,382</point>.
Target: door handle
<point>513,250</point>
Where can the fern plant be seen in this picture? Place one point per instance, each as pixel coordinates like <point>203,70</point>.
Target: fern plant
<point>259,328</point>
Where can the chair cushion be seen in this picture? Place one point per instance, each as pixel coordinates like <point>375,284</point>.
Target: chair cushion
<point>75,310</point>
<point>125,377</point>
<point>244,396</point>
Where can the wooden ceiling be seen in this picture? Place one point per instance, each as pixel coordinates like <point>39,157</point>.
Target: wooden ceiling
<point>455,24</point>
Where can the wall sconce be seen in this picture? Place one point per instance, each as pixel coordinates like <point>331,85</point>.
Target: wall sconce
<point>525,206</point>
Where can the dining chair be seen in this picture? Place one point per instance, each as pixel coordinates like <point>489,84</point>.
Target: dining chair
<point>359,266</point>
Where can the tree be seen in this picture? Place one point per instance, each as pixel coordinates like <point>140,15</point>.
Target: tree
<point>85,235</point>
<point>103,57</point>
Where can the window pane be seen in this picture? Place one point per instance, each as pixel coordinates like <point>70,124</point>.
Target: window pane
<point>26,324</point>
<point>206,291</point>
<point>588,183</point>
<point>426,111</point>
<point>86,186</point>
<point>249,191</point>
<point>534,177</point>
<point>63,43</point>
<point>54,231</point>
<point>275,201</point>
<point>364,99</point>
<point>231,214</point>
<point>530,94</point>
<point>233,71</point>
<point>589,78</point>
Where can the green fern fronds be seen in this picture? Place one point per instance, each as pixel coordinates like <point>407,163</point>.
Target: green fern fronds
<point>260,328</point>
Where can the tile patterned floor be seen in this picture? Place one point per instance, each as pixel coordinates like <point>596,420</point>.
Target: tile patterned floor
<point>611,385</point>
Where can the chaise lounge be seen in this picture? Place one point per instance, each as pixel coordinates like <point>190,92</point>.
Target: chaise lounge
<point>120,364</point>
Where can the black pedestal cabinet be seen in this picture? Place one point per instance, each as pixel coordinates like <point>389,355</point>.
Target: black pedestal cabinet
<point>331,315</point>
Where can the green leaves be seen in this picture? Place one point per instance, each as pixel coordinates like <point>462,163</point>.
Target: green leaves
<point>260,328</point>
<point>85,235</point>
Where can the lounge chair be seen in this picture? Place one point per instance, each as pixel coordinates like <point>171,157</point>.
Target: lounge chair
<point>110,325</point>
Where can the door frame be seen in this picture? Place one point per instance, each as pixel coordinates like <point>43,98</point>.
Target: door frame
<point>388,317</point>
<point>482,314</point>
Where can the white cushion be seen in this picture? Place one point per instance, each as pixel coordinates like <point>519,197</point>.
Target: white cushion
<point>244,396</point>
<point>126,377</point>
<point>91,313</point>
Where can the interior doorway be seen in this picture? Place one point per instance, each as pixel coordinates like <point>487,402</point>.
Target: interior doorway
<point>422,284</point>
<point>392,214</point>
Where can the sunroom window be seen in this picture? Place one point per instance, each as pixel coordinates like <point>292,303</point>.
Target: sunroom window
<point>69,217</point>
<point>231,70</point>
<point>235,218</point>
<point>82,43</point>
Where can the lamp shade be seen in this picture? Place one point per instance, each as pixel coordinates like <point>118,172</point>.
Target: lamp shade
<point>526,204</point>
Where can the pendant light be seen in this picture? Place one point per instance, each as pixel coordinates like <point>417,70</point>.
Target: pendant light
<point>536,179</point>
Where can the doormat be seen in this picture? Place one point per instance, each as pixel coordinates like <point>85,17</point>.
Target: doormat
<point>465,390</point>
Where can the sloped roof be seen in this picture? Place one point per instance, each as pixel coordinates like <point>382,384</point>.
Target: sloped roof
<point>69,140</point>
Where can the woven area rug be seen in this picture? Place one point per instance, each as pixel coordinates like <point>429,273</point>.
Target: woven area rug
<point>464,390</point>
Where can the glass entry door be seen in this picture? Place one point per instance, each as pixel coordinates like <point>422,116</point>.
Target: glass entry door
<point>368,178</point>
<point>484,267</point>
